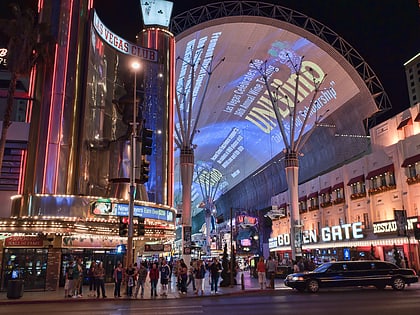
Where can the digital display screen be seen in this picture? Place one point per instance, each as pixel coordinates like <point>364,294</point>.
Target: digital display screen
<point>237,129</point>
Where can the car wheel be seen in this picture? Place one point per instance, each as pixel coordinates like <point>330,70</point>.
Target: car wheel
<point>398,284</point>
<point>312,286</point>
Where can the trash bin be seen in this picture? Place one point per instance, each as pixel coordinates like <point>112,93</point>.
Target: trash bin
<point>15,289</point>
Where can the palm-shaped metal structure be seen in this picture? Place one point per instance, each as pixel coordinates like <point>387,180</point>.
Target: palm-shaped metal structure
<point>210,180</point>
<point>293,130</point>
<point>188,109</point>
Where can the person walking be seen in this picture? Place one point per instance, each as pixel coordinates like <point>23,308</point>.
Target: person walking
<point>199,275</point>
<point>91,277</point>
<point>154,278</point>
<point>191,275</point>
<point>271,271</point>
<point>165,271</point>
<point>78,278</point>
<point>215,270</point>
<point>69,285</point>
<point>100,280</point>
<point>118,277</point>
<point>129,273</point>
<point>261,270</point>
<point>183,274</point>
<point>141,279</point>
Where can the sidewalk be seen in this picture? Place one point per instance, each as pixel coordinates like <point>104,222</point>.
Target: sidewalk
<point>249,285</point>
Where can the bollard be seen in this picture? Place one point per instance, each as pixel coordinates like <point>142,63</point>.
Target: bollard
<point>242,282</point>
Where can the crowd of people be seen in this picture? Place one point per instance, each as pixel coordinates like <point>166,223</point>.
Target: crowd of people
<point>131,281</point>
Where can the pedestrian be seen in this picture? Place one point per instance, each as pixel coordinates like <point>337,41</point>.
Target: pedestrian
<point>69,285</point>
<point>199,275</point>
<point>118,277</point>
<point>261,270</point>
<point>215,270</point>
<point>154,278</point>
<point>129,273</point>
<point>91,277</point>
<point>141,279</point>
<point>183,274</point>
<point>78,278</point>
<point>100,280</point>
<point>271,271</point>
<point>165,271</point>
<point>191,275</point>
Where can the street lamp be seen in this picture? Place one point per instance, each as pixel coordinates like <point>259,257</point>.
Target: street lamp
<point>135,66</point>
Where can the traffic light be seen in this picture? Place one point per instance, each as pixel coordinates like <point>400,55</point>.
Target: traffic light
<point>123,227</point>
<point>416,227</point>
<point>141,230</point>
<point>144,171</point>
<point>146,141</point>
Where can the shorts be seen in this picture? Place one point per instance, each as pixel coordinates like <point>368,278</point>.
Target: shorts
<point>164,281</point>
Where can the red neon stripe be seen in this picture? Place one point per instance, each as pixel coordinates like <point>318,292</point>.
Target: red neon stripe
<point>43,188</point>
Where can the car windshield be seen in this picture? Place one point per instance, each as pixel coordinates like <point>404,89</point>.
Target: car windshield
<point>323,267</point>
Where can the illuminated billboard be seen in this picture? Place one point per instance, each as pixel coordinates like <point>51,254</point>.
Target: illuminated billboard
<point>237,128</point>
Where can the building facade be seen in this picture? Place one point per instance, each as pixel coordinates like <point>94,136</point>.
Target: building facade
<point>365,208</point>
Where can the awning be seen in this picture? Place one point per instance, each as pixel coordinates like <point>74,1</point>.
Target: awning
<point>411,160</point>
<point>360,178</point>
<point>313,195</point>
<point>303,198</point>
<point>404,123</point>
<point>326,190</point>
<point>337,186</point>
<point>380,171</point>
<point>417,119</point>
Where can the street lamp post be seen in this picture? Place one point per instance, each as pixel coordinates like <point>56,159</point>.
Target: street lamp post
<point>135,66</point>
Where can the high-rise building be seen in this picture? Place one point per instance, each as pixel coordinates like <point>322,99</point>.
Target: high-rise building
<point>412,72</point>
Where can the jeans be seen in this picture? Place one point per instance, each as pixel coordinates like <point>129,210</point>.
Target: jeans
<point>140,284</point>
<point>214,282</point>
<point>117,289</point>
<point>153,284</point>
<point>100,284</point>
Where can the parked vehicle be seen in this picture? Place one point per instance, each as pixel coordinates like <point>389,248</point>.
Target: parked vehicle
<point>352,273</point>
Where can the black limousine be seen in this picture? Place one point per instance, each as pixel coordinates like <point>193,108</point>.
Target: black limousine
<point>352,273</point>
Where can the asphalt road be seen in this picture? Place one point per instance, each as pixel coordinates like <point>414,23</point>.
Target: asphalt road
<point>355,301</point>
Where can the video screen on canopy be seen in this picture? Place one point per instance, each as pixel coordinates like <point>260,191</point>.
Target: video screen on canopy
<point>238,128</point>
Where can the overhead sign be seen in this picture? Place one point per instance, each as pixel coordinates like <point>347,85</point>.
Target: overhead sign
<point>121,44</point>
<point>328,234</point>
<point>156,12</point>
<point>157,247</point>
<point>104,207</point>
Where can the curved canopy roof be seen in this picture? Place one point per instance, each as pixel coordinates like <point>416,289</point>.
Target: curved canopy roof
<point>227,58</point>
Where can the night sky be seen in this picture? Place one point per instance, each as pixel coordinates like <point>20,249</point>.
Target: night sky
<point>386,33</point>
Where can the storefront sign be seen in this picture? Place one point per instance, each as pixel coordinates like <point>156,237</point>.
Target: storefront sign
<point>328,234</point>
<point>391,226</point>
<point>157,247</point>
<point>27,241</point>
<point>121,44</point>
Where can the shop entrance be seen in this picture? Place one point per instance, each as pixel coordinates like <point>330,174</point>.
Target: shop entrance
<point>109,258</point>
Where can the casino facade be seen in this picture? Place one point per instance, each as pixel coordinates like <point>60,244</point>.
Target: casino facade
<point>73,183</point>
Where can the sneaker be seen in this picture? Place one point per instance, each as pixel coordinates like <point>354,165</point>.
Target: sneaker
<point>74,296</point>
<point>79,296</point>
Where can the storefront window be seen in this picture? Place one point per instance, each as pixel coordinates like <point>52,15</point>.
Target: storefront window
<point>29,264</point>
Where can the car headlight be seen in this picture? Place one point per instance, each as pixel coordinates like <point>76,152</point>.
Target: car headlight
<point>296,278</point>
